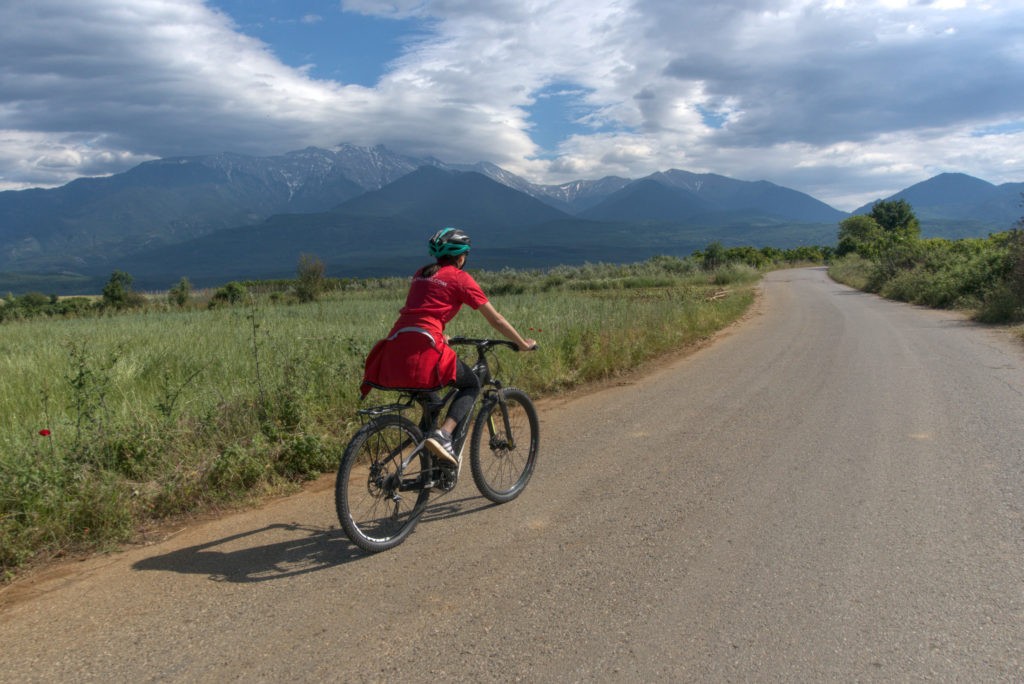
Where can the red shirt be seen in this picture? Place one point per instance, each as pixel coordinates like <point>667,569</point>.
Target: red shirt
<point>410,359</point>
<point>434,301</point>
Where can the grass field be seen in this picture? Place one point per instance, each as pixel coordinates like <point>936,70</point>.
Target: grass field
<point>108,423</point>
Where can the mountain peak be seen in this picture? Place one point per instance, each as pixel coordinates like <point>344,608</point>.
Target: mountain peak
<point>91,224</point>
<point>437,196</point>
<point>937,195</point>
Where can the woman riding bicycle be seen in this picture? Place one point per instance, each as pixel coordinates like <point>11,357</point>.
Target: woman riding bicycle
<point>415,354</point>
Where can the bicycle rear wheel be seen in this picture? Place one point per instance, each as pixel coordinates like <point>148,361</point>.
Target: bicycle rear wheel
<point>379,503</point>
<point>504,446</point>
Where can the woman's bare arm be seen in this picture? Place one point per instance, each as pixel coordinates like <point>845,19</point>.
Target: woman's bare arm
<point>499,323</point>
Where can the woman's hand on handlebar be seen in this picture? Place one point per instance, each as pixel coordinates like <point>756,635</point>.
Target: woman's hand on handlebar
<point>531,345</point>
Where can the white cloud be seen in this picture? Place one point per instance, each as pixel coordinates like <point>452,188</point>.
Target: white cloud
<point>847,101</point>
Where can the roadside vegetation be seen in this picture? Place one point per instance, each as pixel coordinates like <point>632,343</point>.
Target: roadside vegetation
<point>124,411</point>
<point>883,252</point>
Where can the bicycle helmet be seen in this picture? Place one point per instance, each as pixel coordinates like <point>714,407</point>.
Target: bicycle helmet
<point>448,242</point>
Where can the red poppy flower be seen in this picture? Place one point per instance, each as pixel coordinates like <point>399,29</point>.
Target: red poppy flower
<point>44,432</point>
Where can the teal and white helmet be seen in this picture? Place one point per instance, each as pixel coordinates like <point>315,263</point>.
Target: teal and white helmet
<point>448,242</point>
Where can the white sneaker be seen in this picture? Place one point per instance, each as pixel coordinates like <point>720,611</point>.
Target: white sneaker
<point>440,444</point>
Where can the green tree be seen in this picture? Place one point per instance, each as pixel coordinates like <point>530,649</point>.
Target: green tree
<point>714,255</point>
<point>179,294</point>
<point>750,256</point>
<point>310,281</point>
<point>229,293</point>
<point>896,218</point>
<point>899,248</point>
<point>772,254</point>
<point>860,234</point>
<point>117,293</point>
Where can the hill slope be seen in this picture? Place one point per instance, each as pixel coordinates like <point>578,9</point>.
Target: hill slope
<point>366,210</point>
<point>383,233</point>
<point>90,222</point>
<point>956,205</point>
<point>676,195</point>
<point>434,197</point>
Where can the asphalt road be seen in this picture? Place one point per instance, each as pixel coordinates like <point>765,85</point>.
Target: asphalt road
<point>832,490</point>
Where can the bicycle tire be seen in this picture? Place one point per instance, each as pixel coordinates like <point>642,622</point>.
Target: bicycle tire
<point>374,515</point>
<point>501,466</point>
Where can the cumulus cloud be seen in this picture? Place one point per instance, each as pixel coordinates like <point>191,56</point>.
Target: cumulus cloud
<point>153,78</point>
<point>847,101</point>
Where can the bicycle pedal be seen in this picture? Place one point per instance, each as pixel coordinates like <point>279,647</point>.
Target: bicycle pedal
<point>448,478</point>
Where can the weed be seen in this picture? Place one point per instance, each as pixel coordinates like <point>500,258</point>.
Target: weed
<point>236,469</point>
<point>304,457</point>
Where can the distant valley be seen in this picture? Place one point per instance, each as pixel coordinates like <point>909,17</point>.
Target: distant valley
<point>367,212</point>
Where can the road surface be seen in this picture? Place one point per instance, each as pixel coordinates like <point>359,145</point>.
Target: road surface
<point>832,490</point>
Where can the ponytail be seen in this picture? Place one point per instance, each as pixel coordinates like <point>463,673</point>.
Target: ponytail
<point>429,270</point>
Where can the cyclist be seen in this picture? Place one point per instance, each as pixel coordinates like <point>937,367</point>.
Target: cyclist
<point>415,354</point>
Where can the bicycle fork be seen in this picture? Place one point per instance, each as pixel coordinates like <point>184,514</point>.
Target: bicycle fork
<point>496,443</point>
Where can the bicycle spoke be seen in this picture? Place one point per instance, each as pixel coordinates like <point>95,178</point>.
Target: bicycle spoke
<point>375,513</point>
<point>504,447</point>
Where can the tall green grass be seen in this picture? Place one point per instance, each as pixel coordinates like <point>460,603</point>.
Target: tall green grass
<point>109,422</point>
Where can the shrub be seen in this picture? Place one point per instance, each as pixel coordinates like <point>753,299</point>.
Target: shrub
<point>1015,262</point>
<point>235,470</point>
<point>853,270</point>
<point>310,281</point>
<point>304,457</point>
<point>179,294</point>
<point>672,265</point>
<point>118,294</point>
<point>229,293</point>
<point>73,306</point>
<point>100,507</point>
<point>1001,305</point>
<point>714,255</point>
<point>735,273</point>
<point>750,256</point>
<point>804,254</point>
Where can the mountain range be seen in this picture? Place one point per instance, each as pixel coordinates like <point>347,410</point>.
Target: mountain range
<point>366,211</point>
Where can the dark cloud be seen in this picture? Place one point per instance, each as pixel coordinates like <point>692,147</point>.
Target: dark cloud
<point>843,83</point>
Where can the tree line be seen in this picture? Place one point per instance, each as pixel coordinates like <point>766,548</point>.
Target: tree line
<point>883,252</point>
<point>118,294</point>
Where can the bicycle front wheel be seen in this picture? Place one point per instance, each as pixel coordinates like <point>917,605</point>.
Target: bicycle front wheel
<point>379,500</point>
<point>504,446</point>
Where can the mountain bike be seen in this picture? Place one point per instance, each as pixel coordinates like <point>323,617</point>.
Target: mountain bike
<point>387,474</point>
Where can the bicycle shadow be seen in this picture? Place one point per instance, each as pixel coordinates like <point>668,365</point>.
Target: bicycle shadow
<point>442,509</point>
<point>294,549</point>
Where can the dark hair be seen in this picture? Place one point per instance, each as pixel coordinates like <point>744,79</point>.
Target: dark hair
<point>430,269</point>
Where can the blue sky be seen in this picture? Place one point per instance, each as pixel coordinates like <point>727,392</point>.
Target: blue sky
<point>845,100</point>
<point>335,45</point>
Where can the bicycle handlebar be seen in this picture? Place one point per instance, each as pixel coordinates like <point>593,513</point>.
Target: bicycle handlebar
<point>487,343</point>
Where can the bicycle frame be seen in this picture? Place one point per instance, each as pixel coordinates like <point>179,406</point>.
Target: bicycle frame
<point>432,405</point>
<point>387,474</point>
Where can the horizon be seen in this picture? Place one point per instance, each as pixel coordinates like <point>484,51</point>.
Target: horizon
<point>530,180</point>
